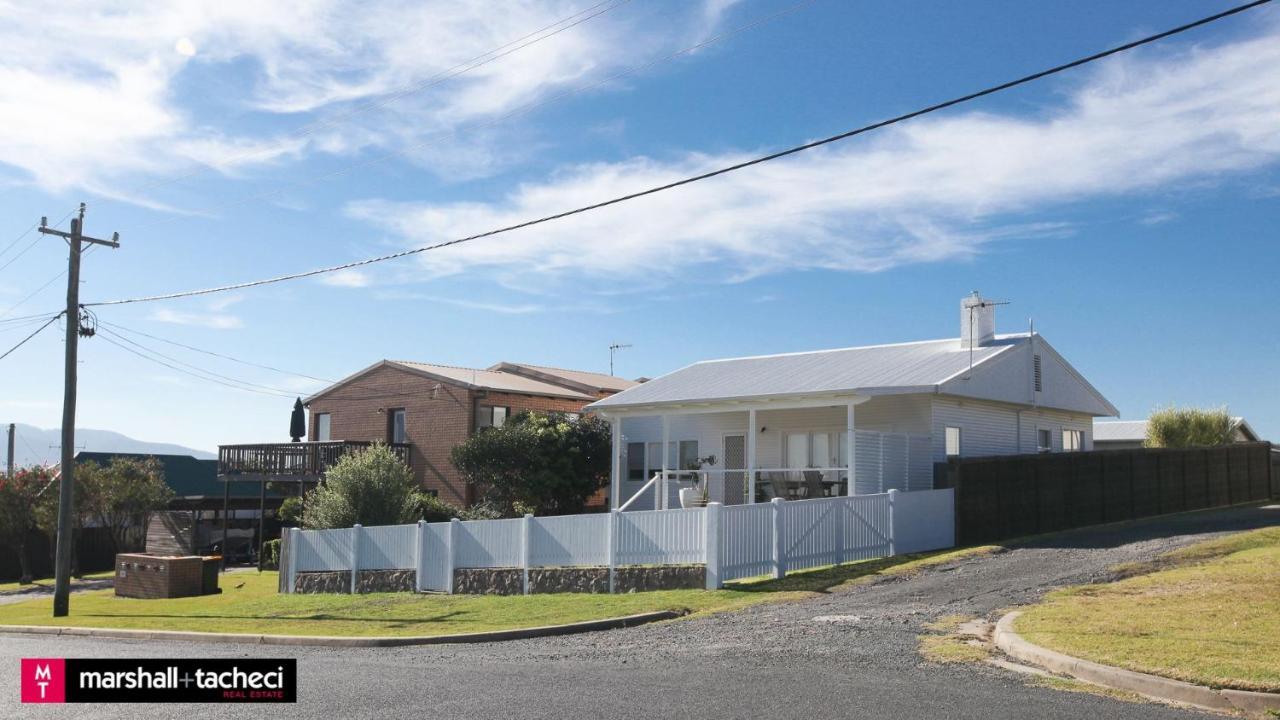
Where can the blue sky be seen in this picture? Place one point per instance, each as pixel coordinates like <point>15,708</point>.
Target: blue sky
<point>1129,208</point>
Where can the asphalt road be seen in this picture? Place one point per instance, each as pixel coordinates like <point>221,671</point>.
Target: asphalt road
<point>769,661</point>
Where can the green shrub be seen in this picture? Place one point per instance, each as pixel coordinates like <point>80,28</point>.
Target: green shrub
<point>290,512</point>
<point>544,463</point>
<point>1189,427</point>
<point>271,555</point>
<point>433,509</point>
<point>369,487</point>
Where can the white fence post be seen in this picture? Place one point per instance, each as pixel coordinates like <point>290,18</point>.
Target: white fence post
<point>842,509</point>
<point>295,540</point>
<point>613,547</point>
<point>419,557</point>
<point>355,555</point>
<point>779,561</point>
<point>711,545</point>
<point>526,549</point>
<point>450,553</point>
<point>893,495</point>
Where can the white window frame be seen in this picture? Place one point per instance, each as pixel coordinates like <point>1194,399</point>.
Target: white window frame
<point>487,416</point>
<point>643,448</point>
<point>403,414</point>
<point>324,427</point>
<point>1045,434</point>
<point>680,447</point>
<point>946,441</point>
<point>1078,440</point>
<point>836,446</point>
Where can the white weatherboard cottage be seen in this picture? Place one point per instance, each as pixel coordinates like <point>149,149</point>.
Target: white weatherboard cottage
<point>799,425</point>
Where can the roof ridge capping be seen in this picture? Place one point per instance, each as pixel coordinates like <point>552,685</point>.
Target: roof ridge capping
<point>958,349</point>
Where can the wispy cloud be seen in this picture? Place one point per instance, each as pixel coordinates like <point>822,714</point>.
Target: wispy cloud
<point>115,110</point>
<point>347,278</point>
<point>214,316</point>
<point>1158,217</point>
<point>931,190</point>
<point>495,307</point>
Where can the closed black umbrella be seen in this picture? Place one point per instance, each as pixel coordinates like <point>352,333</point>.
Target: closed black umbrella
<point>298,422</point>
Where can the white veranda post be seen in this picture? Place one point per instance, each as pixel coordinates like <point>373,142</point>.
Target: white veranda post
<point>850,441</point>
<point>615,470</point>
<point>666,443</point>
<point>751,456</point>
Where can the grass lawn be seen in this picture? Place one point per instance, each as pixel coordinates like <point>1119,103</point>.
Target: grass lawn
<point>1207,614</point>
<point>256,607</point>
<point>48,582</point>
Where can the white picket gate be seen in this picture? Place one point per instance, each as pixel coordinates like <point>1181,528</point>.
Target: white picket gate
<point>734,542</point>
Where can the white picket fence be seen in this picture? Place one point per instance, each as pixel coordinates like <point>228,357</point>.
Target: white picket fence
<point>733,542</point>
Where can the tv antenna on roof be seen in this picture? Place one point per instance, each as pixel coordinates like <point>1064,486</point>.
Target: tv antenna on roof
<point>613,348</point>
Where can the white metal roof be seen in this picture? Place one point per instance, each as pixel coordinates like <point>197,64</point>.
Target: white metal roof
<point>869,370</point>
<point>1119,430</point>
<point>1136,430</point>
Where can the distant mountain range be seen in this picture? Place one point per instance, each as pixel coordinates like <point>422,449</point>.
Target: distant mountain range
<point>36,446</point>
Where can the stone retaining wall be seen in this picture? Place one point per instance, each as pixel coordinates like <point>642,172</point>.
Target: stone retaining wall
<point>367,581</point>
<point>510,581</point>
<point>633,578</point>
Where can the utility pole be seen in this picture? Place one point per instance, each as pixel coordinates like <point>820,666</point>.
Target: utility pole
<point>615,347</point>
<point>12,430</point>
<point>62,557</point>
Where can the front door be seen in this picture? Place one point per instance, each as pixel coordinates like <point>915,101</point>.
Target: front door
<point>735,458</point>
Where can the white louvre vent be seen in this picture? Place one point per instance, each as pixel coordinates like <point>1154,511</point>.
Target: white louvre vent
<point>1035,362</point>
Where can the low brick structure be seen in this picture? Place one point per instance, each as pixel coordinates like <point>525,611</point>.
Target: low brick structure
<point>154,576</point>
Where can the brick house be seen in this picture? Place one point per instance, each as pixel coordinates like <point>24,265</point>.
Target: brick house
<point>431,408</point>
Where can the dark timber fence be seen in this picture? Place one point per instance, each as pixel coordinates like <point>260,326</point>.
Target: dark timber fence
<point>1011,496</point>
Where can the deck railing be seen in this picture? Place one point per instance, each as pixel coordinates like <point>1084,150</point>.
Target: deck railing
<point>303,459</point>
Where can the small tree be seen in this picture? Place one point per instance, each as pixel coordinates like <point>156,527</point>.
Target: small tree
<point>370,487</point>
<point>1189,427</point>
<point>122,494</point>
<point>543,463</point>
<point>46,511</point>
<point>19,496</point>
<point>290,512</point>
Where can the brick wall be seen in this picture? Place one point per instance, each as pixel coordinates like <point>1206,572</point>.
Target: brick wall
<point>435,420</point>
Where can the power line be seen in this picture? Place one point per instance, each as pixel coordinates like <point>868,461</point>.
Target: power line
<point>29,317</point>
<point>284,185</point>
<point>215,377</point>
<point>33,243</point>
<point>25,339</point>
<point>37,291</point>
<point>537,36</point>
<point>215,354</point>
<point>19,326</point>
<point>713,173</point>
<point>19,238</point>
<point>377,394</point>
<point>193,374</point>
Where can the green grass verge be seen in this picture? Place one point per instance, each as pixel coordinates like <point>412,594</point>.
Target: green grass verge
<point>48,582</point>
<point>1207,614</point>
<point>256,607</point>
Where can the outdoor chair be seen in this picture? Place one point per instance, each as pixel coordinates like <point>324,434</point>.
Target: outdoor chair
<point>776,486</point>
<point>813,484</point>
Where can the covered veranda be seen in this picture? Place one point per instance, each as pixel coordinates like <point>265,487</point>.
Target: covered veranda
<point>754,450</point>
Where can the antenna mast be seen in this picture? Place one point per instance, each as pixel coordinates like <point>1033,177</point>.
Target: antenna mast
<point>613,348</point>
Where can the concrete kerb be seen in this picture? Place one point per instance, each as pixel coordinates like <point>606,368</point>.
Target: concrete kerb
<point>1151,686</point>
<point>338,641</point>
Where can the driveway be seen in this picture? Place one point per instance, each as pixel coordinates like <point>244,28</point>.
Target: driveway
<point>768,661</point>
